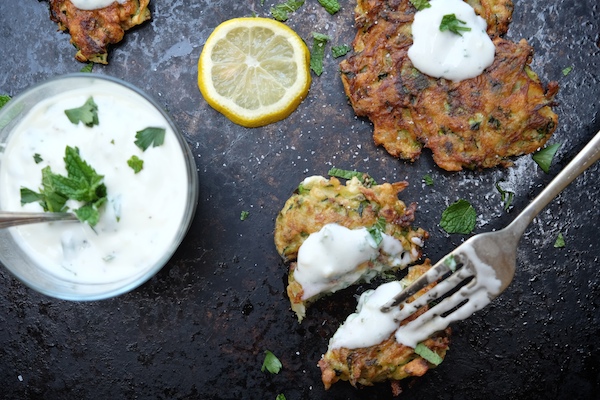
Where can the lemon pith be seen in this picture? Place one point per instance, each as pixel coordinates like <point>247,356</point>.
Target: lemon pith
<point>255,71</point>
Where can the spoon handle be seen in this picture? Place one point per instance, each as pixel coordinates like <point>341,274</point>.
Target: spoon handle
<point>10,218</point>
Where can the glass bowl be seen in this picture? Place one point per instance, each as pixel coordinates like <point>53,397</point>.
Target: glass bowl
<point>144,236</point>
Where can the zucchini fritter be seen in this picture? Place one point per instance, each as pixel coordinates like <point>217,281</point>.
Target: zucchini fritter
<point>388,360</point>
<point>320,201</point>
<point>476,123</point>
<point>92,31</point>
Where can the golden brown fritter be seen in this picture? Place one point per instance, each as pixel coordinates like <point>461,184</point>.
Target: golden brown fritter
<point>388,360</point>
<point>475,123</point>
<point>320,201</point>
<point>92,31</point>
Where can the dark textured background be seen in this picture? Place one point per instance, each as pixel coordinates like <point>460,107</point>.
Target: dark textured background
<point>199,328</point>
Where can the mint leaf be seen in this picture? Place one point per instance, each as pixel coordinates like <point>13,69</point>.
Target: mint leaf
<point>135,163</point>
<point>376,231</point>
<point>332,6</point>
<point>87,113</point>
<point>281,11</point>
<point>4,98</point>
<point>244,215</point>
<point>428,354</point>
<point>37,158</point>
<point>317,53</point>
<point>149,137</point>
<point>420,4</point>
<point>87,67</point>
<point>560,241</point>
<point>363,177</point>
<point>544,157</point>
<point>452,24</point>
<point>506,196</point>
<point>271,363</point>
<point>459,217</point>
<point>428,180</point>
<point>341,50</point>
<point>566,71</point>
<point>280,396</point>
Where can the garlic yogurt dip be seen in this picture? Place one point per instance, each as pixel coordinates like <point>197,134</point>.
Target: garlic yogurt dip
<point>449,55</point>
<point>145,212</point>
<point>94,4</point>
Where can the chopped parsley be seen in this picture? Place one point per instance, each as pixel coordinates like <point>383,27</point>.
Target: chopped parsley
<point>560,241</point>
<point>428,180</point>
<point>428,354</point>
<point>271,363</point>
<point>376,231</point>
<point>82,184</point>
<point>37,158</point>
<point>149,137</point>
<point>544,157</point>
<point>135,163</point>
<point>420,4</point>
<point>363,177</point>
<point>459,217</point>
<point>317,53</point>
<point>244,215</point>
<point>340,51</point>
<point>332,6</point>
<point>281,11</point>
<point>452,24</point>
<point>4,98</point>
<point>87,113</point>
<point>507,196</point>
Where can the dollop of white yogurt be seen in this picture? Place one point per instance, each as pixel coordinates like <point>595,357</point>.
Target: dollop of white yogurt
<point>94,4</point>
<point>447,54</point>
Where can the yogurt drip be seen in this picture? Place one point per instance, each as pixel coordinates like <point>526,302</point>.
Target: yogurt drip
<point>447,54</point>
<point>94,4</point>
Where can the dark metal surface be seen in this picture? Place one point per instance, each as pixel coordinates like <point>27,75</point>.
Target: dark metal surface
<point>199,329</point>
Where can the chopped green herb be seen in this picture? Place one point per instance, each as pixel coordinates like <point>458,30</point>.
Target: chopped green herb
<point>149,136</point>
<point>428,180</point>
<point>82,183</point>
<point>507,196</point>
<point>452,24</point>
<point>4,98</point>
<point>544,157</point>
<point>428,354</point>
<point>340,51</point>
<point>363,177</point>
<point>317,52</point>
<point>271,363</point>
<point>459,217</point>
<point>332,6</point>
<point>376,231</point>
<point>37,158</point>
<point>87,67</point>
<point>450,262</point>
<point>280,396</point>
<point>135,163</point>
<point>560,241</point>
<point>87,113</point>
<point>281,11</point>
<point>567,71</point>
<point>420,4</point>
<point>244,215</point>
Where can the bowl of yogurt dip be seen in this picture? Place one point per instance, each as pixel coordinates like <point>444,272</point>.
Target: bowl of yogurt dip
<point>99,147</point>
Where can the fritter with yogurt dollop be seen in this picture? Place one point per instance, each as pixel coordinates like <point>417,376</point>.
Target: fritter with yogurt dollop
<point>326,207</point>
<point>92,31</point>
<point>479,122</point>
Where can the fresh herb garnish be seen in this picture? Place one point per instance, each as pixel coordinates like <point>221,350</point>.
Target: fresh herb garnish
<point>363,177</point>
<point>317,53</point>
<point>376,231</point>
<point>281,11</point>
<point>149,137</point>
<point>87,67</point>
<point>544,157</point>
<point>37,158</point>
<point>341,50</point>
<point>135,163</point>
<point>4,98</point>
<point>459,217</point>
<point>566,71</point>
<point>332,6</point>
<point>450,262</point>
<point>280,396</point>
<point>452,24</point>
<point>428,180</point>
<point>420,4</point>
<point>82,184</point>
<point>428,354</point>
<point>560,241</point>
<point>271,363</point>
<point>87,113</point>
<point>244,215</point>
<point>506,195</point>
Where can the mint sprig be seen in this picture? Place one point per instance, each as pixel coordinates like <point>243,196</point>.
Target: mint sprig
<point>459,217</point>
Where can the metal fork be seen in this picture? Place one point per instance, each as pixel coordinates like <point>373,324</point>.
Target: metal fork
<point>488,260</point>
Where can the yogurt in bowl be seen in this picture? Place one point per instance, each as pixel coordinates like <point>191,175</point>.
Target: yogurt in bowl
<point>147,200</point>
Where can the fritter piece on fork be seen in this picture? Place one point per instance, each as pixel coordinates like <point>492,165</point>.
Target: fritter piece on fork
<point>92,31</point>
<point>476,123</point>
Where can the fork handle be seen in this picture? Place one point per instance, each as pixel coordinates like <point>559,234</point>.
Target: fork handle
<point>586,157</point>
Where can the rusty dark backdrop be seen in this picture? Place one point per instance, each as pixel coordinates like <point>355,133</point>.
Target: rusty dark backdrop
<point>199,328</point>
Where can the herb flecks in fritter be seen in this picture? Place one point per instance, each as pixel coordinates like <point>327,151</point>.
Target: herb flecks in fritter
<point>480,122</point>
<point>319,201</point>
<point>92,31</point>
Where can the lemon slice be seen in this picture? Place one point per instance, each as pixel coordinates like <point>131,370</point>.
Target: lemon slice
<point>254,70</point>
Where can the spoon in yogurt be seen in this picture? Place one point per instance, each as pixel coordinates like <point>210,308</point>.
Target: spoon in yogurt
<point>11,218</point>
